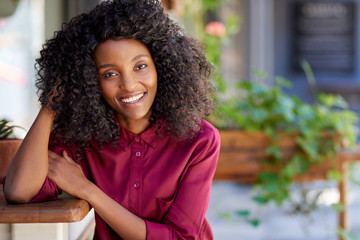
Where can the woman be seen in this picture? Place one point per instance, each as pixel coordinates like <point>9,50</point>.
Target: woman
<point>123,93</point>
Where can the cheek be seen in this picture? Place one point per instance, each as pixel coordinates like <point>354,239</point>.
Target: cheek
<point>155,82</point>
<point>106,89</point>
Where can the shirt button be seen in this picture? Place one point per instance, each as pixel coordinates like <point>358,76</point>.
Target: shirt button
<point>138,154</point>
<point>137,139</point>
<point>136,185</point>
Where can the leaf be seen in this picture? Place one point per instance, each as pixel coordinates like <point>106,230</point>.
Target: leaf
<point>232,25</point>
<point>245,85</point>
<point>259,73</point>
<point>261,199</point>
<point>306,112</point>
<point>226,216</point>
<point>267,177</point>
<point>310,77</point>
<point>283,82</point>
<point>259,115</point>
<point>243,213</point>
<point>309,147</point>
<point>347,235</point>
<point>338,207</point>
<point>270,132</point>
<point>274,151</point>
<point>253,222</point>
<point>331,100</point>
<point>301,163</point>
<point>290,170</point>
<point>334,175</point>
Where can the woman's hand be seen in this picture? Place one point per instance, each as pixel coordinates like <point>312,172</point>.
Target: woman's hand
<point>68,175</point>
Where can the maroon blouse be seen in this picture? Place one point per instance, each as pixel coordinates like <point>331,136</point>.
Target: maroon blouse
<point>164,182</point>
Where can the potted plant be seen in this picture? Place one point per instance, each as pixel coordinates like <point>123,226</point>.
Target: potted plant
<point>8,145</point>
<point>285,136</point>
<point>273,140</point>
<point>268,137</point>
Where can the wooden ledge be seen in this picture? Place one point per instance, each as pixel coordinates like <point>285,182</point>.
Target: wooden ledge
<point>64,209</point>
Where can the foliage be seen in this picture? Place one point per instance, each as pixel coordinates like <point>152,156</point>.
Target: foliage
<point>320,129</point>
<point>346,235</point>
<point>6,130</point>
<point>244,215</point>
<point>195,21</point>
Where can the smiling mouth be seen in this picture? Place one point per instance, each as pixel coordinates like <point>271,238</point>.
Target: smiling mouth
<point>133,99</point>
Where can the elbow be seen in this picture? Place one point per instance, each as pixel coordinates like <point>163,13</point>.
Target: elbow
<point>12,195</point>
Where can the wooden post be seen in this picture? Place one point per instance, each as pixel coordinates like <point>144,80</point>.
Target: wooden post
<point>343,188</point>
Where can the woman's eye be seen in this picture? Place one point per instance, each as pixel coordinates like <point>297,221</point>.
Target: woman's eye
<point>109,74</point>
<point>140,66</point>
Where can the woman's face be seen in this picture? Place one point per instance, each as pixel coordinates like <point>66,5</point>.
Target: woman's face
<point>128,79</point>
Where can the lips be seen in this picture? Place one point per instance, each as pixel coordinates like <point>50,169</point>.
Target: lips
<point>132,99</point>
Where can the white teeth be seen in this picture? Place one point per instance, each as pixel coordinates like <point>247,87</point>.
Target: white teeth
<point>132,99</point>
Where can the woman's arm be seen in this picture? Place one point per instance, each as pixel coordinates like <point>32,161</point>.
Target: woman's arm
<point>65,172</point>
<point>125,223</point>
<point>29,167</point>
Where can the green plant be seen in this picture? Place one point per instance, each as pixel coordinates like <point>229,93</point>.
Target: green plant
<point>320,129</point>
<point>6,130</point>
<point>214,34</point>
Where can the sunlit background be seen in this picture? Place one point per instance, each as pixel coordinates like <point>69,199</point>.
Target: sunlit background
<point>272,36</point>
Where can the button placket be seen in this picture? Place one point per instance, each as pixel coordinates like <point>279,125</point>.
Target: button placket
<point>138,155</point>
<point>135,180</point>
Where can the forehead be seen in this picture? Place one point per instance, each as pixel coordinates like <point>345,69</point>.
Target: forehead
<point>123,49</point>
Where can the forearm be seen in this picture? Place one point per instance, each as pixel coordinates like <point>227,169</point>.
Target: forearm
<point>29,167</point>
<point>126,224</point>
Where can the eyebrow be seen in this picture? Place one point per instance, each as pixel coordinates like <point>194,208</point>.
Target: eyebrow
<point>139,56</point>
<point>132,60</point>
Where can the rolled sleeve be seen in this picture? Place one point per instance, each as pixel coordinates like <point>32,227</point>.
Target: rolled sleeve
<point>49,191</point>
<point>154,230</point>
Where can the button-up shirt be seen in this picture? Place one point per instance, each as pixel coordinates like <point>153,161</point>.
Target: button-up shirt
<point>165,182</point>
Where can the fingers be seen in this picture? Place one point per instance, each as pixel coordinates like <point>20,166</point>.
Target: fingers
<point>67,157</point>
<point>51,154</point>
<point>56,157</point>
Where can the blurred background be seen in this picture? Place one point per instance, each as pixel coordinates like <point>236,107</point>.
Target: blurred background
<point>271,35</point>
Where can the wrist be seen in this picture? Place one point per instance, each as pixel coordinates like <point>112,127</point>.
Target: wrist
<point>89,191</point>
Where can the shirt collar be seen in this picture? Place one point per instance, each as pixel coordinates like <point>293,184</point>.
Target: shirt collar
<point>151,136</point>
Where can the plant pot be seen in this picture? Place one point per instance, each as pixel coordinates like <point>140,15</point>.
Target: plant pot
<point>243,156</point>
<point>8,148</point>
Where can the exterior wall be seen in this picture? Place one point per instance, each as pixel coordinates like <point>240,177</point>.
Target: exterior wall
<point>261,34</point>
<point>235,54</point>
<point>269,43</point>
<point>346,84</point>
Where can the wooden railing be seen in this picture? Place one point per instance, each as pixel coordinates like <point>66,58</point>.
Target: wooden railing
<point>242,153</point>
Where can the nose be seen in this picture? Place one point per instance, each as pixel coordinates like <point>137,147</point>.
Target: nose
<point>127,82</point>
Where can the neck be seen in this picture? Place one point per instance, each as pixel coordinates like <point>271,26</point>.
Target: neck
<point>135,126</point>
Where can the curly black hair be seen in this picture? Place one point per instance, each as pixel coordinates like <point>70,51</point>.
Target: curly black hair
<point>68,80</point>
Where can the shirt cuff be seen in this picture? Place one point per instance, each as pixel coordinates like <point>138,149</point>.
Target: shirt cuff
<point>49,191</point>
<point>155,231</point>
